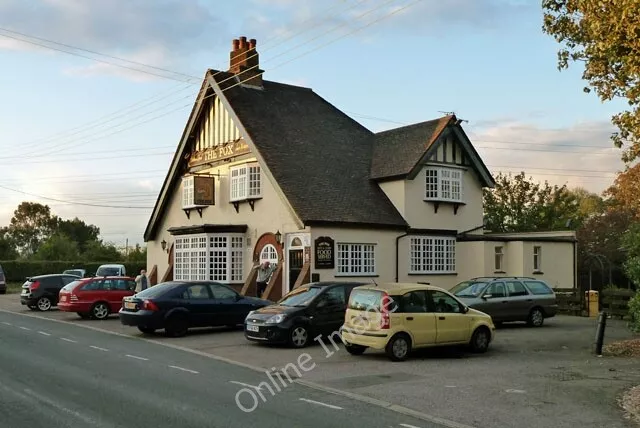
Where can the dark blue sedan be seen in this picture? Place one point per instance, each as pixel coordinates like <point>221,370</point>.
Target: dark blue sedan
<point>177,306</point>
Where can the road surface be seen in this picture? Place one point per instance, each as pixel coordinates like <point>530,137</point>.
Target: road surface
<point>58,375</point>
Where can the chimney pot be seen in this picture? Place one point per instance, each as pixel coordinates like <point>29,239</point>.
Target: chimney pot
<point>236,44</point>
<point>252,43</point>
<point>243,42</point>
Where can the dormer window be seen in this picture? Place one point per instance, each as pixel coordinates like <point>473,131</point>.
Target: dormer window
<point>245,182</point>
<point>443,184</point>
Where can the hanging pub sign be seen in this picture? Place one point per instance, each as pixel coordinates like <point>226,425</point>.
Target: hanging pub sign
<point>204,190</point>
<point>219,153</point>
<point>324,253</point>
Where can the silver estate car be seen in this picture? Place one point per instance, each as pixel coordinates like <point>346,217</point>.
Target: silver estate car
<point>509,299</point>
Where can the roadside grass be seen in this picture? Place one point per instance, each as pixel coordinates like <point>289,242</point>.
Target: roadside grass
<point>13,287</point>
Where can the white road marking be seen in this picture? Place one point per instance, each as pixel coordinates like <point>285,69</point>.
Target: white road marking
<point>44,334</point>
<point>408,426</point>
<point>6,323</point>
<point>184,370</point>
<point>137,358</point>
<point>38,397</point>
<point>515,391</point>
<point>450,386</point>
<point>25,328</point>
<point>320,403</point>
<point>68,340</point>
<point>98,348</point>
<point>246,384</point>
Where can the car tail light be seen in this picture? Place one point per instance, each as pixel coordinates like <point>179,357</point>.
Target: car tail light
<point>385,321</point>
<point>34,285</point>
<point>149,305</point>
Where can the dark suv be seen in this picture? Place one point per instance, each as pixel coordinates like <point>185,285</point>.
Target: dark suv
<point>301,315</point>
<point>509,298</point>
<point>41,292</point>
<point>3,282</point>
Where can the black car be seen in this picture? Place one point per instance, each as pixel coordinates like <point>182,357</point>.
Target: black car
<point>177,306</point>
<point>41,292</point>
<point>301,315</point>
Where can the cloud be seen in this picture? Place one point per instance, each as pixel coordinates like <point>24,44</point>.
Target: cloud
<point>163,31</point>
<point>116,224</point>
<point>580,156</point>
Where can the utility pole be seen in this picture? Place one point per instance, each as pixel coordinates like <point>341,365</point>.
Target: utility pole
<point>126,248</point>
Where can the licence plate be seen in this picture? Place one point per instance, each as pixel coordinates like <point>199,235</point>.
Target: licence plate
<point>251,327</point>
<point>24,293</point>
<point>129,305</point>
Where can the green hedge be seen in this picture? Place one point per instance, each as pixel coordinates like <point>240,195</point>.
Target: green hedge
<point>17,271</point>
<point>634,313</point>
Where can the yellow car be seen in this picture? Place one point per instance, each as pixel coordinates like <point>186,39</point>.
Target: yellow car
<point>401,317</point>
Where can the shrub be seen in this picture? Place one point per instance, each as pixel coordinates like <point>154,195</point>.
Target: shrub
<point>634,313</point>
<point>16,271</point>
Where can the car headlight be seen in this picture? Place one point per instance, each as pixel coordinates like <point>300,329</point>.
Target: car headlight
<point>276,319</point>
<point>249,314</point>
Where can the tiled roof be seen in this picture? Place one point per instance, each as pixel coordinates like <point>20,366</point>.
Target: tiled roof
<point>319,156</point>
<point>397,151</point>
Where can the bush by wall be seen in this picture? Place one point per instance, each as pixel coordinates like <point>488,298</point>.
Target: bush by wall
<point>17,271</point>
<point>634,313</point>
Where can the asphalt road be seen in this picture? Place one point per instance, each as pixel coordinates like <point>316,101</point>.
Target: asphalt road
<point>57,375</point>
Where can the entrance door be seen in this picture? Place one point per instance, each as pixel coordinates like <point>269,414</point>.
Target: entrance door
<point>296,260</point>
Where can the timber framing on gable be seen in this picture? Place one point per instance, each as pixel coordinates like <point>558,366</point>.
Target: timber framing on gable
<point>453,147</point>
<point>189,142</point>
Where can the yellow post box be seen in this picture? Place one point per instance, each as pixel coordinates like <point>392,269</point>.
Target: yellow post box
<point>592,298</point>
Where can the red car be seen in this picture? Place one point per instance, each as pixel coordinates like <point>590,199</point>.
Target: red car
<point>96,297</point>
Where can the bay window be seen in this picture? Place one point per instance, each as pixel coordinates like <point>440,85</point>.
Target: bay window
<point>245,182</point>
<point>209,257</point>
<point>432,255</point>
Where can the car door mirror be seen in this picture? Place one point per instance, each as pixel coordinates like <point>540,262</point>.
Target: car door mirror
<point>465,309</point>
<point>487,296</point>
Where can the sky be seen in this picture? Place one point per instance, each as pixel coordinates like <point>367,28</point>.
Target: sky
<point>93,129</point>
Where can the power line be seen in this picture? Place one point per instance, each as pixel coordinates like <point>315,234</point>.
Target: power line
<point>266,43</point>
<point>260,73</point>
<point>70,202</point>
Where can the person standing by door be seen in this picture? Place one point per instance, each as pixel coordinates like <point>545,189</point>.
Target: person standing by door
<point>142,281</point>
<point>265,270</point>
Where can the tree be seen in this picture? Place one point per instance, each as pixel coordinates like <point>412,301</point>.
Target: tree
<point>625,191</point>
<point>589,204</point>
<point>137,254</point>
<point>97,251</point>
<point>32,223</point>
<point>58,247</point>
<point>520,205</point>
<point>602,235</point>
<point>78,231</point>
<point>604,36</point>
<point>7,245</point>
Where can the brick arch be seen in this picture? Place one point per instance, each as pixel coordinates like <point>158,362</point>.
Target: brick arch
<point>267,238</point>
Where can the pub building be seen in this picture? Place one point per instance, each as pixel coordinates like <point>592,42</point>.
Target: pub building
<point>271,171</point>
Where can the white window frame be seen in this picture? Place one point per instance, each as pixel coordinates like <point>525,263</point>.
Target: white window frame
<point>195,258</point>
<point>245,182</point>
<point>269,253</point>
<point>432,255</point>
<point>188,191</point>
<point>499,258</point>
<point>443,184</point>
<point>356,259</point>
<point>537,258</point>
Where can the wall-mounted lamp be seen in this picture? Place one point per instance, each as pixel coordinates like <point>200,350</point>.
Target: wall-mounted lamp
<point>164,245</point>
<point>278,237</point>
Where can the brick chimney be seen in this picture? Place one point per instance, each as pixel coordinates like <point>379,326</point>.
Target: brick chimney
<point>244,61</point>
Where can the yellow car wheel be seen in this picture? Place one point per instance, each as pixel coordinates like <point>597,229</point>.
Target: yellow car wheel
<point>399,347</point>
